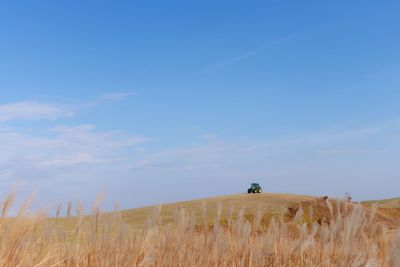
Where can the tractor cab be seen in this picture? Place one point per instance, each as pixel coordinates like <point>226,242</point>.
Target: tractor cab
<point>254,188</point>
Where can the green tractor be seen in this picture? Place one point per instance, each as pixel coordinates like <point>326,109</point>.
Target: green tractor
<point>254,188</point>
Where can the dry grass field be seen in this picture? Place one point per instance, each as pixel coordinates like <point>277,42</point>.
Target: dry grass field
<point>271,204</point>
<point>237,230</point>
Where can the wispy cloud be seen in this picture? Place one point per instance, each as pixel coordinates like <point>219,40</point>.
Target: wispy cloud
<point>51,152</point>
<point>60,147</point>
<point>117,96</point>
<point>209,136</point>
<point>32,110</point>
<point>71,160</point>
<point>39,110</point>
<point>68,162</point>
<point>247,55</point>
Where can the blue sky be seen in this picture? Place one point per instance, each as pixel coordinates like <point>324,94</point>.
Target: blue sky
<point>160,101</point>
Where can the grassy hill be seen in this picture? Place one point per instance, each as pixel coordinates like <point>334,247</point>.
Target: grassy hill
<point>385,203</point>
<point>388,207</point>
<point>205,210</point>
<point>271,204</point>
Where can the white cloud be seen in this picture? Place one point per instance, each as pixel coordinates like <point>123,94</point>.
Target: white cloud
<point>46,154</point>
<point>5,173</point>
<point>67,157</point>
<point>37,110</point>
<point>116,96</point>
<point>27,152</point>
<point>74,159</point>
<point>32,110</point>
<point>209,136</point>
<point>65,146</point>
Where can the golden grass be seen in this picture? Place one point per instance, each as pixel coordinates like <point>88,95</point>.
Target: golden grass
<point>273,204</point>
<point>388,207</point>
<point>210,234</point>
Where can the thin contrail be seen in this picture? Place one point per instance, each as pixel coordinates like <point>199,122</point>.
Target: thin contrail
<point>248,54</point>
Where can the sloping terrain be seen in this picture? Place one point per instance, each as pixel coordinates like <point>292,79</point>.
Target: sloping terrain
<point>385,203</point>
<point>389,207</point>
<point>323,210</point>
<point>205,211</point>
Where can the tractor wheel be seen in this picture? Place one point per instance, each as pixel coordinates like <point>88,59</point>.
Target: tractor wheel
<point>249,191</point>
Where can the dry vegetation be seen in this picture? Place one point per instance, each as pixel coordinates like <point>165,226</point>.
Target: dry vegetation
<point>317,232</point>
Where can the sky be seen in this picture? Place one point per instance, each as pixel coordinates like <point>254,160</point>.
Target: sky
<point>149,102</point>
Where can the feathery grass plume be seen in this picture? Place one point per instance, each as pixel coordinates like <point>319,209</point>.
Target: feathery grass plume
<point>395,250</point>
<point>69,209</point>
<point>230,217</point>
<point>7,202</point>
<point>373,210</point>
<point>25,205</point>
<point>298,218</point>
<point>79,215</point>
<point>259,214</point>
<point>330,208</point>
<point>58,211</point>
